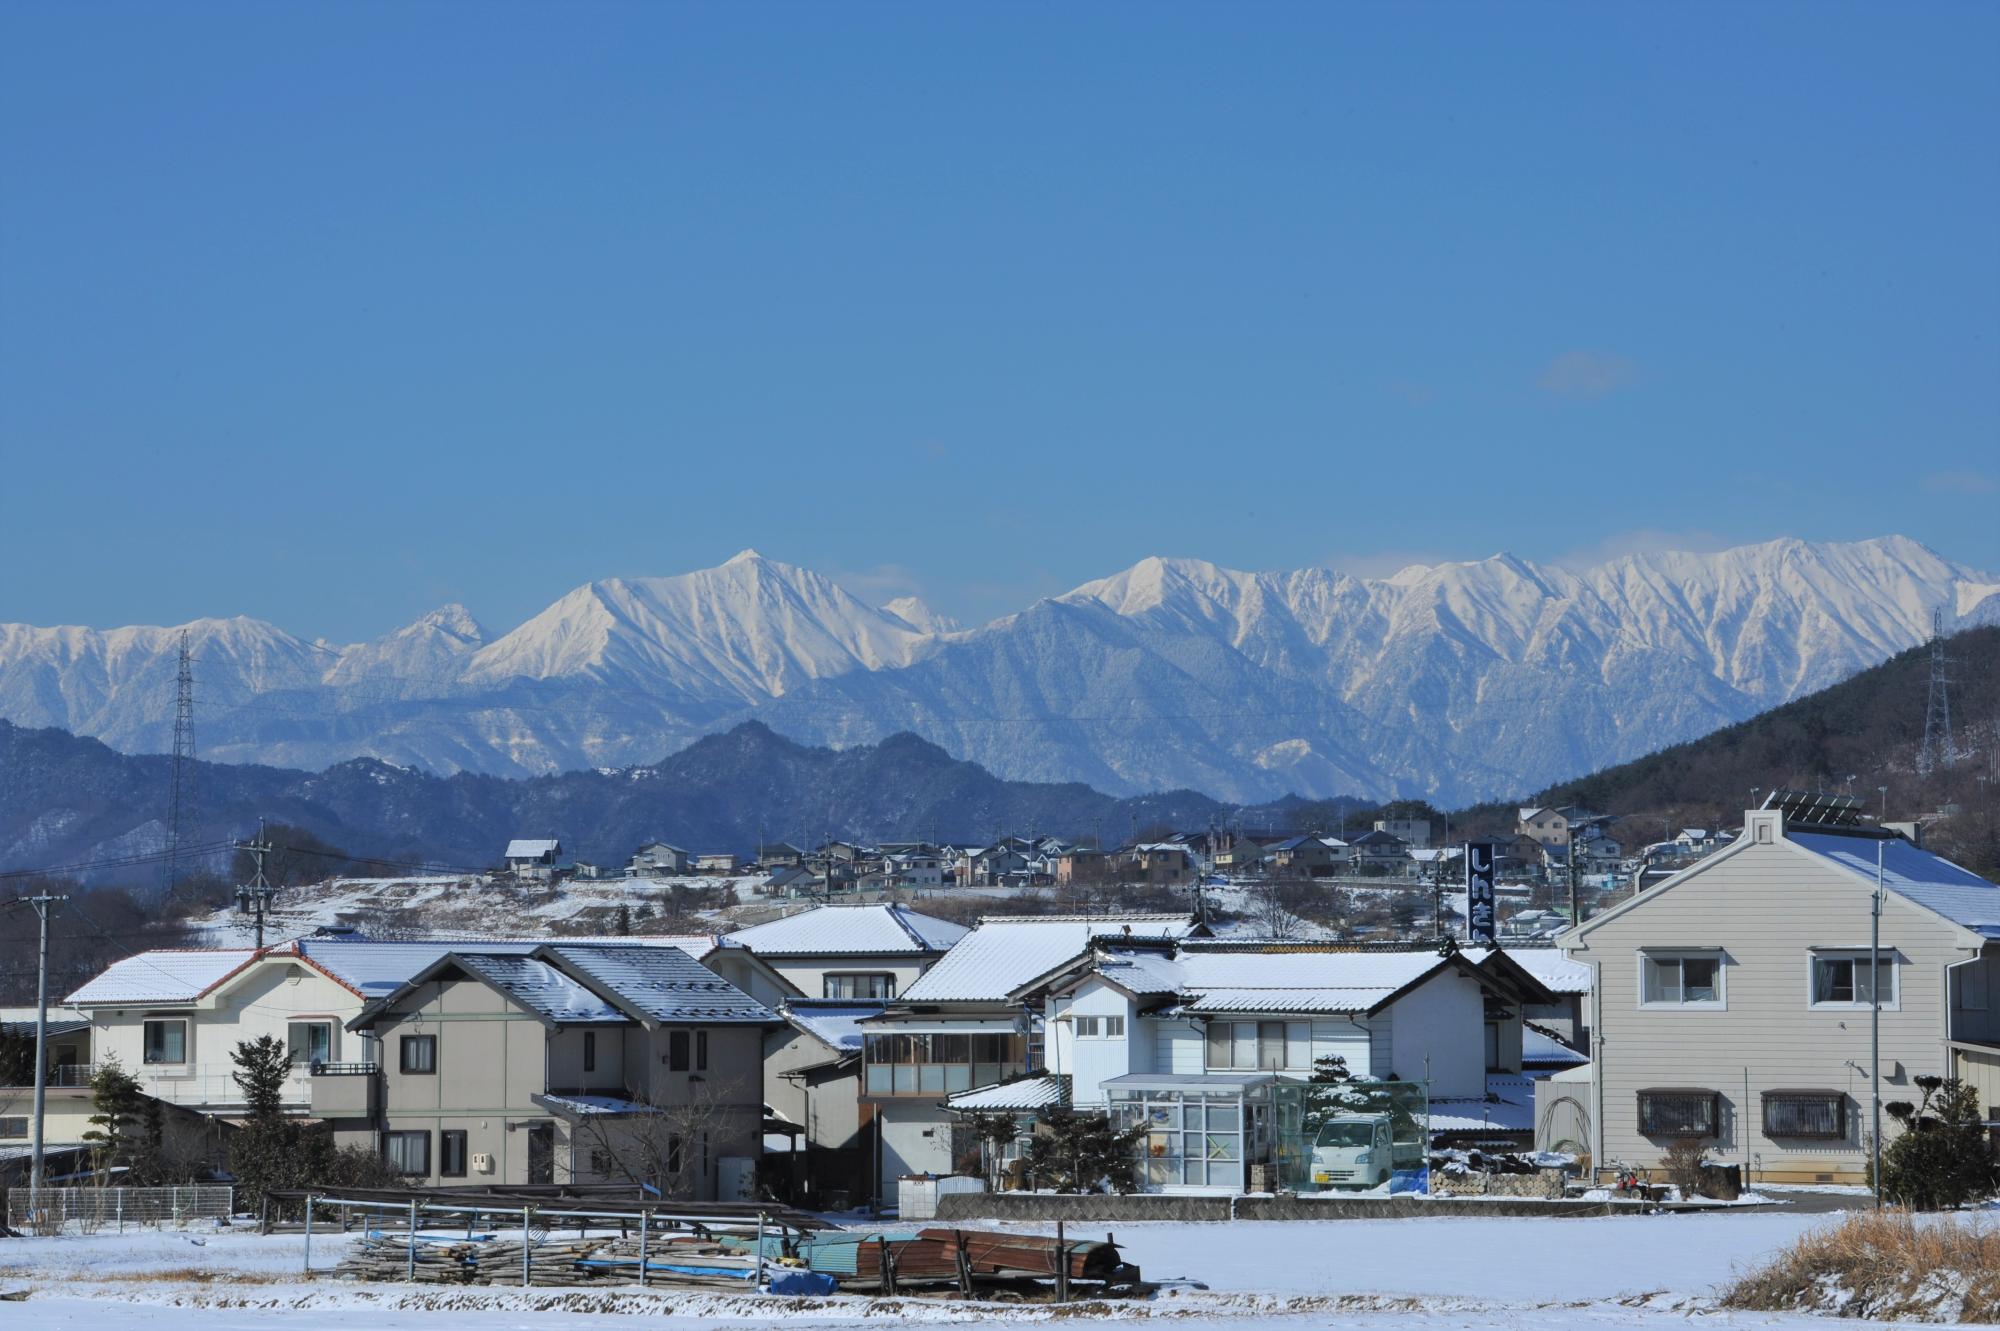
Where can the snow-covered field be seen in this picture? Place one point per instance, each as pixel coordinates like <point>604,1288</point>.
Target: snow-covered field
<point>1624,1271</point>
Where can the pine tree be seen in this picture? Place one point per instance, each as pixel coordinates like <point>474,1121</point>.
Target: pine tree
<point>116,1103</point>
<point>1074,1151</point>
<point>1943,1158</point>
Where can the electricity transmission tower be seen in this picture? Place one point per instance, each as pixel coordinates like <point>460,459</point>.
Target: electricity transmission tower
<point>180,798</point>
<point>1938,751</point>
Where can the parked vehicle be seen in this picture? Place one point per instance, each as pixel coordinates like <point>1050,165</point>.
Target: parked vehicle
<point>1352,1151</point>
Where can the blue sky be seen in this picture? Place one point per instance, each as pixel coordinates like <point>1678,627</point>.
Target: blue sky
<point>329,314</point>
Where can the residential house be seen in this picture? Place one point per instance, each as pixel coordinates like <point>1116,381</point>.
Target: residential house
<point>959,1028</point>
<point>1379,852</point>
<point>1081,865</point>
<point>1733,1001</point>
<point>532,859</point>
<point>1158,864</point>
<point>1307,857</point>
<point>571,1064</point>
<point>1412,832</point>
<point>657,857</point>
<point>716,861</point>
<point>1237,853</point>
<point>780,855</point>
<point>919,868</point>
<point>851,951</point>
<point>1136,1026</point>
<point>812,1077</point>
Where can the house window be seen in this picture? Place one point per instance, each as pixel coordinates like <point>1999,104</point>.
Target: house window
<point>870,985</point>
<point>590,1051</point>
<point>701,1051</point>
<point>310,1042</point>
<point>13,1126</point>
<point>677,1051</point>
<point>451,1153</point>
<point>1681,979</point>
<point>418,1055</point>
<point>673,1157</point>
<point>407,1152</point>
<point>1260,1045</point>
<point>1841,979</point>
<point>166,1041</point>
<point>1679,1113</point>
<point>602,1162</point>
<point>1100,1028</point>
<point>1821,1115</point>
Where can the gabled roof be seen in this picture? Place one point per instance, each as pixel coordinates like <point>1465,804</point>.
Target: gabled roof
<point>372,968</point>
<point>1012,1096</point>
<point>531,849</point>
<point>662,845</point>
<point>1275,977</point>
<point>655,985</point>
<point>539,987</point>
<point>163,975</point>
<point>1553,970</point>
<point>851,930</point>
<point>1006,952</point>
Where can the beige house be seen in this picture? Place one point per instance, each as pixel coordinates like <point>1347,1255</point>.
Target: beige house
<point>812,1078</point>
<point>591,1063</point>
<point>1732,1002</point>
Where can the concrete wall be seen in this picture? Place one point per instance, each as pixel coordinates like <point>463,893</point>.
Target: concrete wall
<point>915,1139</point>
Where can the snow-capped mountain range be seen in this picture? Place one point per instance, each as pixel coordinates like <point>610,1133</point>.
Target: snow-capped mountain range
<point>1455,681</point>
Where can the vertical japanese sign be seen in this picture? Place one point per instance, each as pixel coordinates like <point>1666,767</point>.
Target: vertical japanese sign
<point>1481,922</point>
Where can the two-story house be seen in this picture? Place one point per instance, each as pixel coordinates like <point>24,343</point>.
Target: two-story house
<point>657,857</point>
<point>1145,1028</point>
<point>1307,857</point>
<point>1733,1002</point>
<point>959,1028</point>
<point>589,1063</point>
<point>533,859</point>
<point>850,951</point>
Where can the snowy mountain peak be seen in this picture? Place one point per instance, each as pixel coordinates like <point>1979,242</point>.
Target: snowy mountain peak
<point>744,556</point>
<point>454,619</point>
<point>912,611</point>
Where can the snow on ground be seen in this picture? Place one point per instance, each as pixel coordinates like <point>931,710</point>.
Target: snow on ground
<point>1540,1275</point>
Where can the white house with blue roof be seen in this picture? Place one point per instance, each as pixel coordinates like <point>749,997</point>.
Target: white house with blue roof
<point>1732,1003</point>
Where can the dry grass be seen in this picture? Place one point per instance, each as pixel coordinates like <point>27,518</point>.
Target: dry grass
<point>1886,1265</point>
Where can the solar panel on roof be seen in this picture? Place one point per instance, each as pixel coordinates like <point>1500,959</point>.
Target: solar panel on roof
<point>1816,808</point>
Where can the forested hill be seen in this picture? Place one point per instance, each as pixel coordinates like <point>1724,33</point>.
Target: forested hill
<point>1859,735</point>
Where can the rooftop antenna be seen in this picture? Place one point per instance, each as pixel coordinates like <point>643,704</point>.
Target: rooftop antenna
<point>1938,751</point>
<point>180,790</point>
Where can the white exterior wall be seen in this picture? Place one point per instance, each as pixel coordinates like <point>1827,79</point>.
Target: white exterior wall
<point>263,999</point>
<point>916,1139</point>
<point>1439,1031</point>
<point>1091,1062</point>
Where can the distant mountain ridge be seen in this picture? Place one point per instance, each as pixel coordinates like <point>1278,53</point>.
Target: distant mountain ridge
<point>1453,682</point>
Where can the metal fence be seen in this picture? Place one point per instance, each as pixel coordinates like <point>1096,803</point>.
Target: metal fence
<point>90,1210</point>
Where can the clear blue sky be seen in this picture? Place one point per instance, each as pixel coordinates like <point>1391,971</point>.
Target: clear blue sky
<point>330,313</point>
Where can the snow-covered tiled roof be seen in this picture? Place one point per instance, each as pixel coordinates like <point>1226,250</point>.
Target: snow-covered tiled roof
<point>531,849</point>
<point>1211,978</point>
<point>1931,881</point>
<point>850,930</point>
<point>163,975</point>
<point>836,1023</point>
<point>593,1106</point>
<point>1542,1050</point>
<point>1011,1096</point>
<point>1558,974</point>
<point>373,968</point>
<point>659,984</point>
<point>1510,1107</point>
<point>540,988</point>
<point>1005,952</point>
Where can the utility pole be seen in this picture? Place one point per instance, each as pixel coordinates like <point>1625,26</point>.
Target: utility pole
<point>256,896</point>
<point>1575,914</point>
<point>37,1168</point>
<point>1875,1023</point>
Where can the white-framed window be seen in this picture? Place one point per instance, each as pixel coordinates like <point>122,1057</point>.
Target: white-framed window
<point>1841,978</point>
<point>874,984</point>
<point>1260,1045</point>
<point>310,1042</point>
<point>166,1040</point>
<point>1100,1028</point>
<point>1691,978</point>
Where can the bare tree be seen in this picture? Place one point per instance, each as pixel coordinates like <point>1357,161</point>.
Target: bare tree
<point>659,1144</point>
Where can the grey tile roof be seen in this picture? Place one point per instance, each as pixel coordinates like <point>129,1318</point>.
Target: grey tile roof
<point>659,984</point>
<point>836,1024</point>
<point>1004,952</point>
<point>540,988</point>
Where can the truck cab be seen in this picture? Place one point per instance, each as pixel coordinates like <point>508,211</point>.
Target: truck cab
<point>1352,1151</point>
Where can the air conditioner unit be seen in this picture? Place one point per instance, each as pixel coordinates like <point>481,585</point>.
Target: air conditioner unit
<point>482,1163</point>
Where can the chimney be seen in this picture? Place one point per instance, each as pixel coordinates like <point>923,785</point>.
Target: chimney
<point>1912,832</point>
